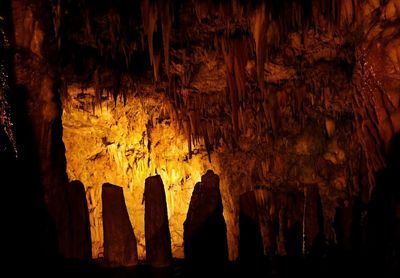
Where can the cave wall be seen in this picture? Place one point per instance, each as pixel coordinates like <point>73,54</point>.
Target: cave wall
<point>273,97</point>
<point>308,117</point>
<point>38,111</point>
<point>124,144</point>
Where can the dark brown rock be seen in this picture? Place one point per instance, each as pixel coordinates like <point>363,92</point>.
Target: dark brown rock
<point>157,234</point>
<point>250,240</point>
<point>204,228</point>
<point>39,119</point>
<point>81,245</point>
<point>294,239</point>
<point>282,235</point>
<point>266,216</point>
<point>311,216</point>
<point>119,240</point>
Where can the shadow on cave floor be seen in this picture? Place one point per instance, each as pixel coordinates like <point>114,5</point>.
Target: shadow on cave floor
<point>334,265</point>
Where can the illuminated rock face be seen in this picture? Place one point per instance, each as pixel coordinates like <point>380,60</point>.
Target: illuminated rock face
<point>313,106</point>
<point>311,114</point>
<point>123,145</point>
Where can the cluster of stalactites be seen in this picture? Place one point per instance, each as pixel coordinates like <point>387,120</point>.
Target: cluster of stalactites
<point>254,29</point>
<point>152,13</point>
<point>248,29</point>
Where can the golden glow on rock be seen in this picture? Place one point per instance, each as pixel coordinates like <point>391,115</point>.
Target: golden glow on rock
<point>123,145</point>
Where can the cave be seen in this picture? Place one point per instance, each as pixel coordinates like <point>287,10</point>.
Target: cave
<point>174,138</point>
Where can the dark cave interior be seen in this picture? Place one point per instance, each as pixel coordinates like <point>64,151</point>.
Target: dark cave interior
<point>173,138</point>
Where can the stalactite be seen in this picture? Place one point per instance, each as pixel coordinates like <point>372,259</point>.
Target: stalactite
<point>371,111</point>
<point>56,9</point>
<point>150,16</point>
<point>239,66</point>
<point>152,11</point>
<point>259,30</point>
<point>98,88</point>
<point>228,54</point>
<point>166,8</point>
<point>208,145</point>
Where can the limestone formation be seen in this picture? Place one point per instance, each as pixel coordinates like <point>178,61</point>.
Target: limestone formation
<point>298,101</point>
<point>158,239</point>
<point>81,244</point>
<point>311,216</point>
<point>250,242</point>
<point>205,228</point>
<point>119,240</point>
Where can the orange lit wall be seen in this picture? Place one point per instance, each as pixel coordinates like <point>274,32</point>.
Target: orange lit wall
<point>123,145</point>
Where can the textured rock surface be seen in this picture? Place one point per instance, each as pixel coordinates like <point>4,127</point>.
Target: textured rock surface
<point>306,96</point>
<point>81,244</point>
<point>280,95</point>
<point>158,239</point>
<point>204,228</point>
<point>119,240</point>
<point>125,144</point>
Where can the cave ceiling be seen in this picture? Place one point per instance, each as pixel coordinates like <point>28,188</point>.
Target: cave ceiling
<point>267,66</point>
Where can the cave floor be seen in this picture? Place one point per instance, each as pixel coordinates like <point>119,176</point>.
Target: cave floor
<point>333,266</point>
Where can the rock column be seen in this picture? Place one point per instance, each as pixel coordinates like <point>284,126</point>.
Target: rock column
<point>157,234</point>
<point>119,240</point>
<point>81,245</point>
<point>205,229</point>
<point>250,241</point>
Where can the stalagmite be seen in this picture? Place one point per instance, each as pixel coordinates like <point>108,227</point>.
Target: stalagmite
<point>311,222</point>
<point>344,217</point>
<point>282,235</point>
<point>81,245</point>
<point>294,224</point>
<point>250,240</point>
<point>158,239</point>
<point>119,240</point>
<point>205,229</point>
<point>265,203</point>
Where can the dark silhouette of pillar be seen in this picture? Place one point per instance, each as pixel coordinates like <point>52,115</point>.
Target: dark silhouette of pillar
<point>157,235</point>
<point>250,240</point>
<point>313,220</point>
<point>204,228</point>
<point>81,244</point>
<point>119,239</point>
<point>294,240</point>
